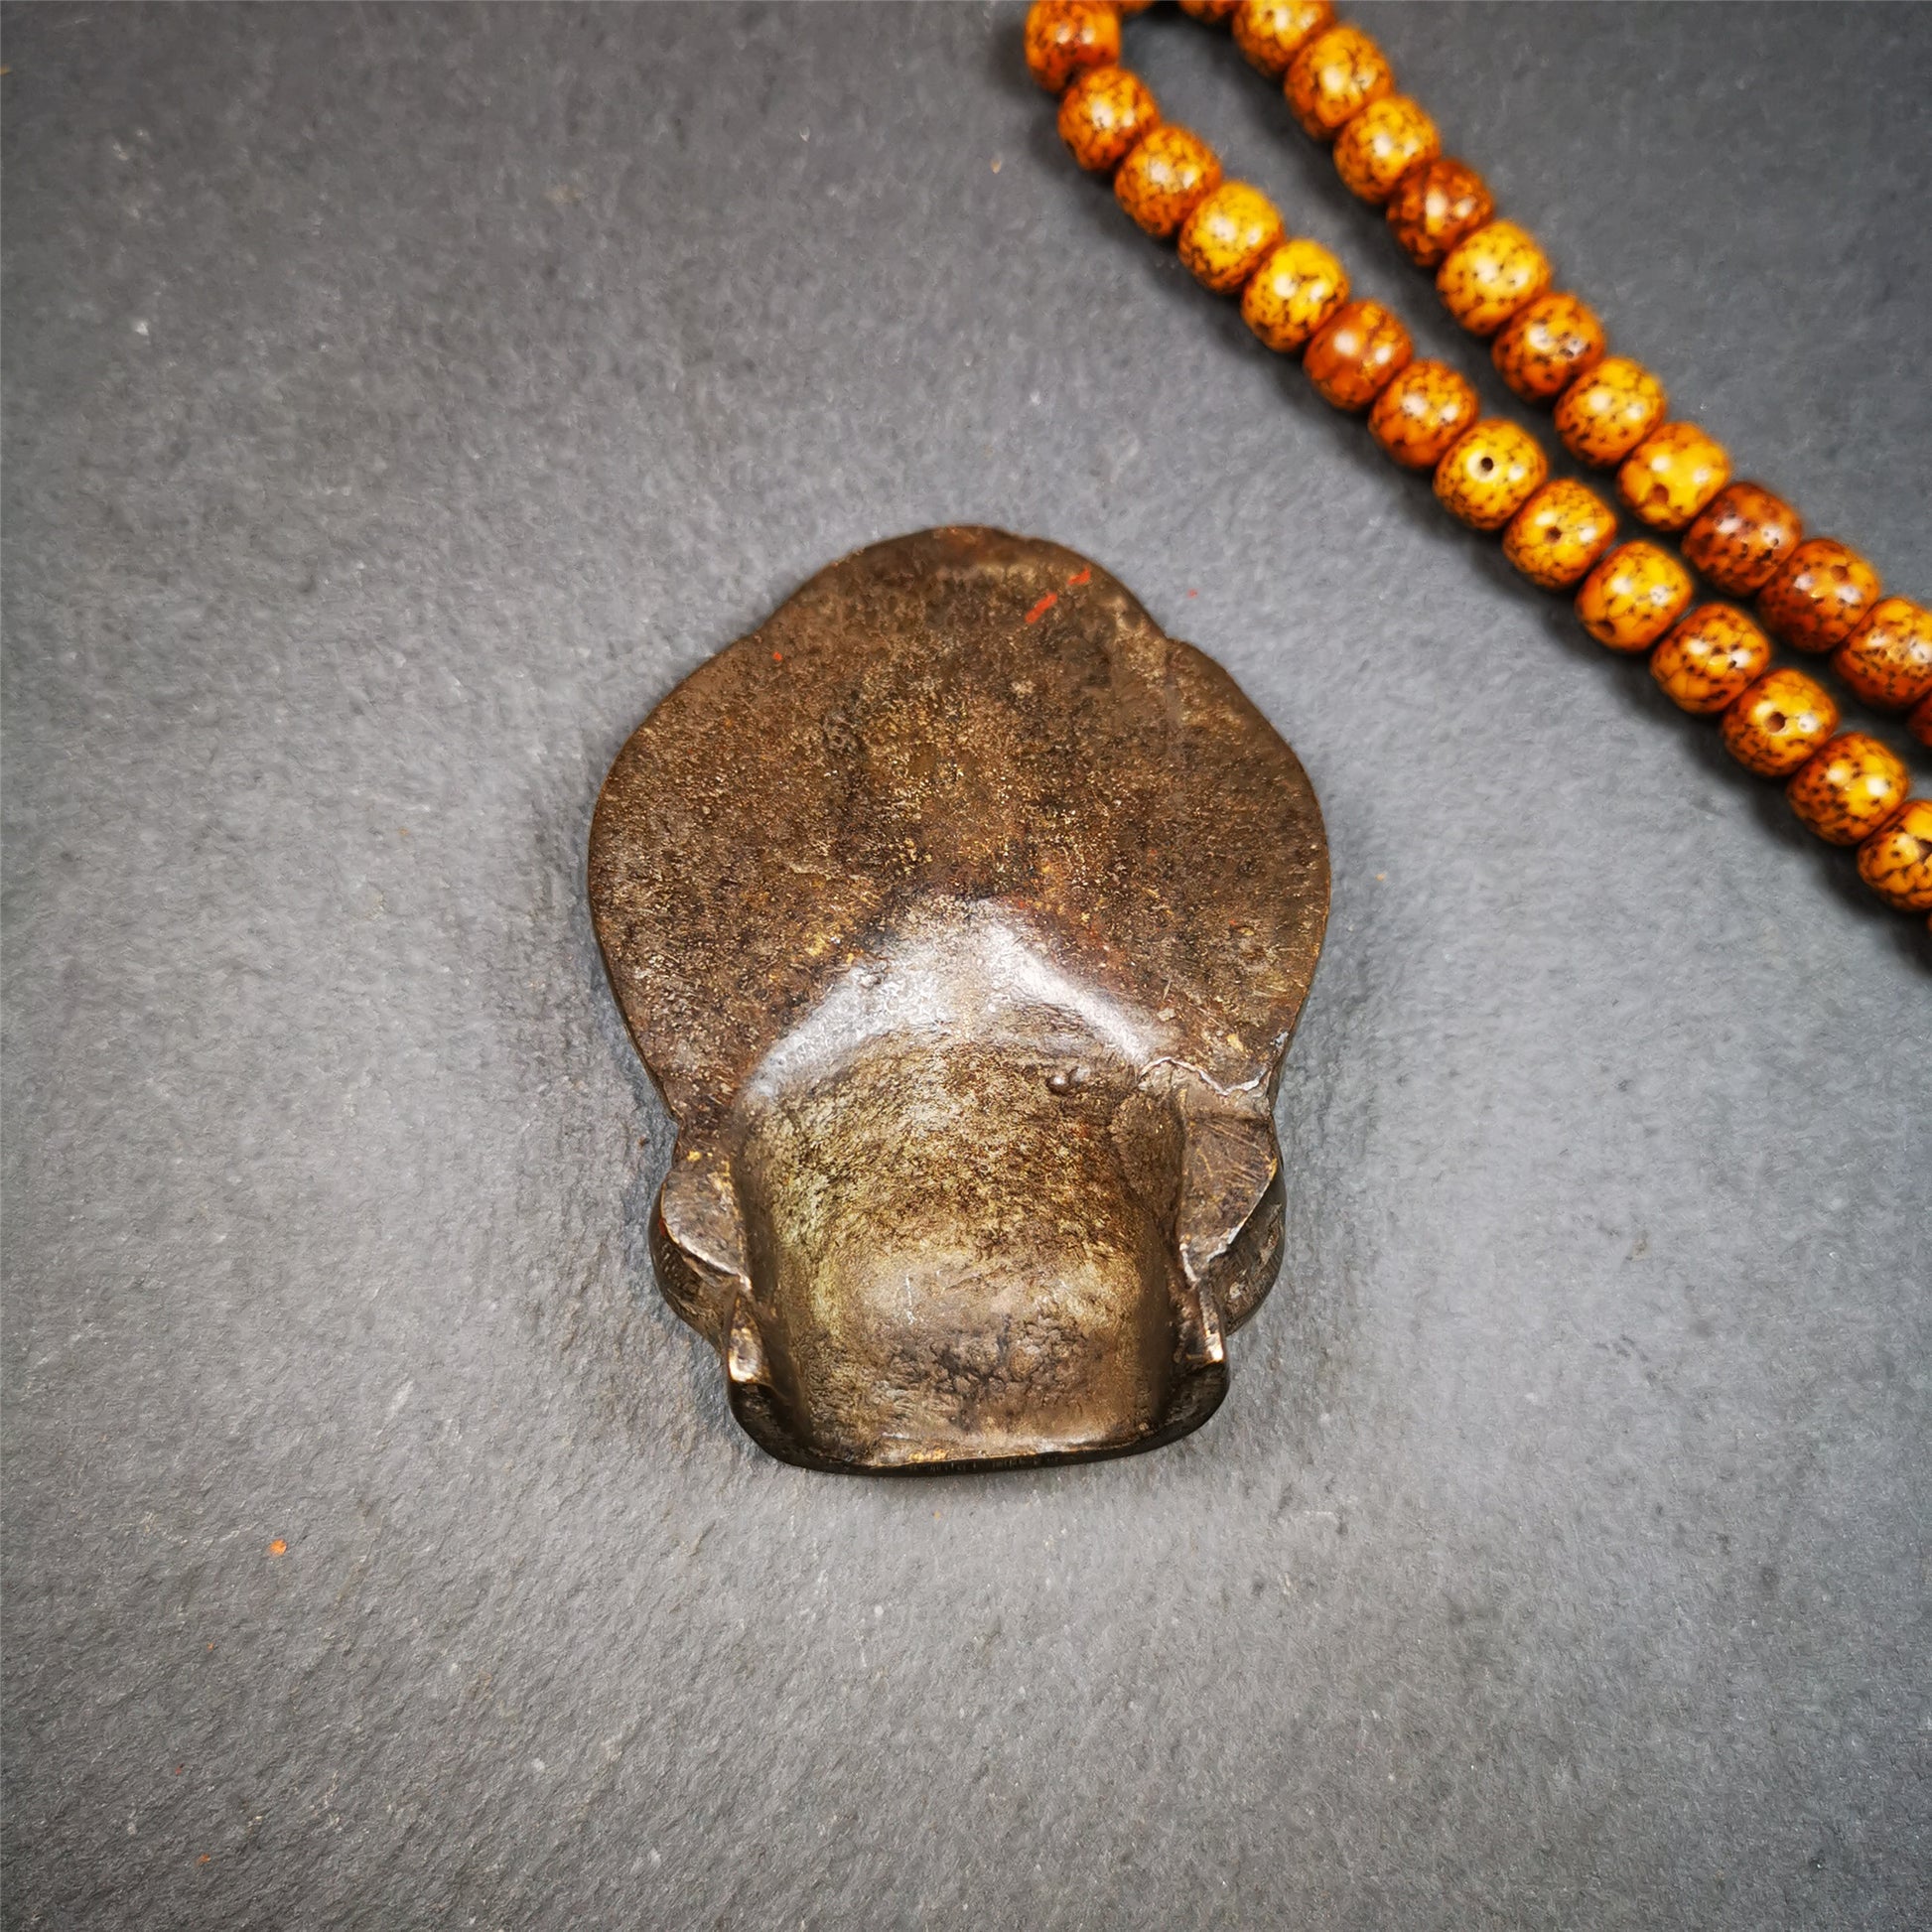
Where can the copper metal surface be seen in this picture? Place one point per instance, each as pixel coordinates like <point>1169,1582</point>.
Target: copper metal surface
<point>963,917</point>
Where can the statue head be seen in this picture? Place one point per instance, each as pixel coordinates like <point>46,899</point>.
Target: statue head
<point>963,919</point>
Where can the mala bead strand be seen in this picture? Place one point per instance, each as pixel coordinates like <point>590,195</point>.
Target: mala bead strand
<point>1493,475</point>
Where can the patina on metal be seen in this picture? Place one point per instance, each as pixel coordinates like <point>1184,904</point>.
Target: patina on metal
<point>963,918</point>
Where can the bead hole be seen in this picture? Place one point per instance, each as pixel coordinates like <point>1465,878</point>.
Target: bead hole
<point>1484,465</point>
<point>1775,721</point>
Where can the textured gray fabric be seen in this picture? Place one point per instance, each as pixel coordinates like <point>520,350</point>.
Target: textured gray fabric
<point>396,404</point>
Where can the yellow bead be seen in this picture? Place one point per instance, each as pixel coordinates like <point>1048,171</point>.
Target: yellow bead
<point>1559,534</point>
<point>1603,416</point>
<point>1897,860</point>
<point>1293,293</point>
<point>1359,352</point>
<point>1847,789</point>
<point>1272,31</point>
<point>1490,473</point>
<point>1778,722</point>
<point>1888,660</point>
<point>1712,658</point>
<point>1333,78</point>
<point>1381,143</point>
<point>1546,344</point>
<point>1672,474</point>
<point>1229,236</point>
<point>1422,412</point>
<point>1633,596</point>
<point>1102,115</point>
<point>1064,36</point>
<point>1167,176</point>
<point>1487,276</point>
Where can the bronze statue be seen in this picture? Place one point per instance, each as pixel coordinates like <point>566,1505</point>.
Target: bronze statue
<point>963,918</point>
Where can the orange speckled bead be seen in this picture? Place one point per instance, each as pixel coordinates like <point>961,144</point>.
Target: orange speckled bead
<point>1333,78</point>
<point>1229,236</point>
<point>1712,657</point>
<point>1211,11</point>
<point>1102,115</point>
<point>1633,596</point>
<point>1293,293</point>
<point>1489,472</point>
<point>1821,594</point>
<point>1672,474</point>
<point>1064,36</point>
<point>1434,205</point>
<point>1776,724</point>
<point>1272,31</point>
<point>1422,412</point>
<point>1849,789</point>
<point>1888,660</point>
<point>1897,860</point>
<point>1167,174</point>
<point>1490,274</point>
<point>1559,534</point>
<point>1357,354</point>
<point>1546,344</point>
<point>1741,537</point>
<point>1604,415</point>
<point>1381,143</point>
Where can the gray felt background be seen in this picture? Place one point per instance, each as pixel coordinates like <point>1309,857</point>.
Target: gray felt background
<point>397,402</point>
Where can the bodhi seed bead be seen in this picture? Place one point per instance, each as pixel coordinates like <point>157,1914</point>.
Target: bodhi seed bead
<point>1422,412</point>
<point>1846,791</point>
<point>1434,205</point>
<point>1897,860</point>
<point>1064,36</point>
<point>1293,293</point>
<point>1487,276</point>
<point>1102,115</point>
<point>1604,415</point>
<point>1633,596</point>
<point>1546,344</point>
<point>1743,535</point>
<point>1888,660</point>
<point>1381,143</point>
<point>1167,174</point>
<point>1821,594</point>
<point>1777,723</point>
<point>1333,78</point>
<point>1357,354</point>
<point>1672,474</point>
<point>1559,534</point>
<point>1710,658</point>
<point>1272,31</point>
<point>1489,472</point>
<point>1228,236</point>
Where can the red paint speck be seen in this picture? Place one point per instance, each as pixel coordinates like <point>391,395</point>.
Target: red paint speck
<point>278,1548</point>
<point>1085,577</point>
<point>778,657</point>
<point>1045,604</point>
<point>1194,593</point>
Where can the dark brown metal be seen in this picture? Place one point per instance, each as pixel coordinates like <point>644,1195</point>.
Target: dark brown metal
<point>963,918</point>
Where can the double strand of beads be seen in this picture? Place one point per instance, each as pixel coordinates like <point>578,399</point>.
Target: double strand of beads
<point>1816,594</point>
<point>1491,473</point>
